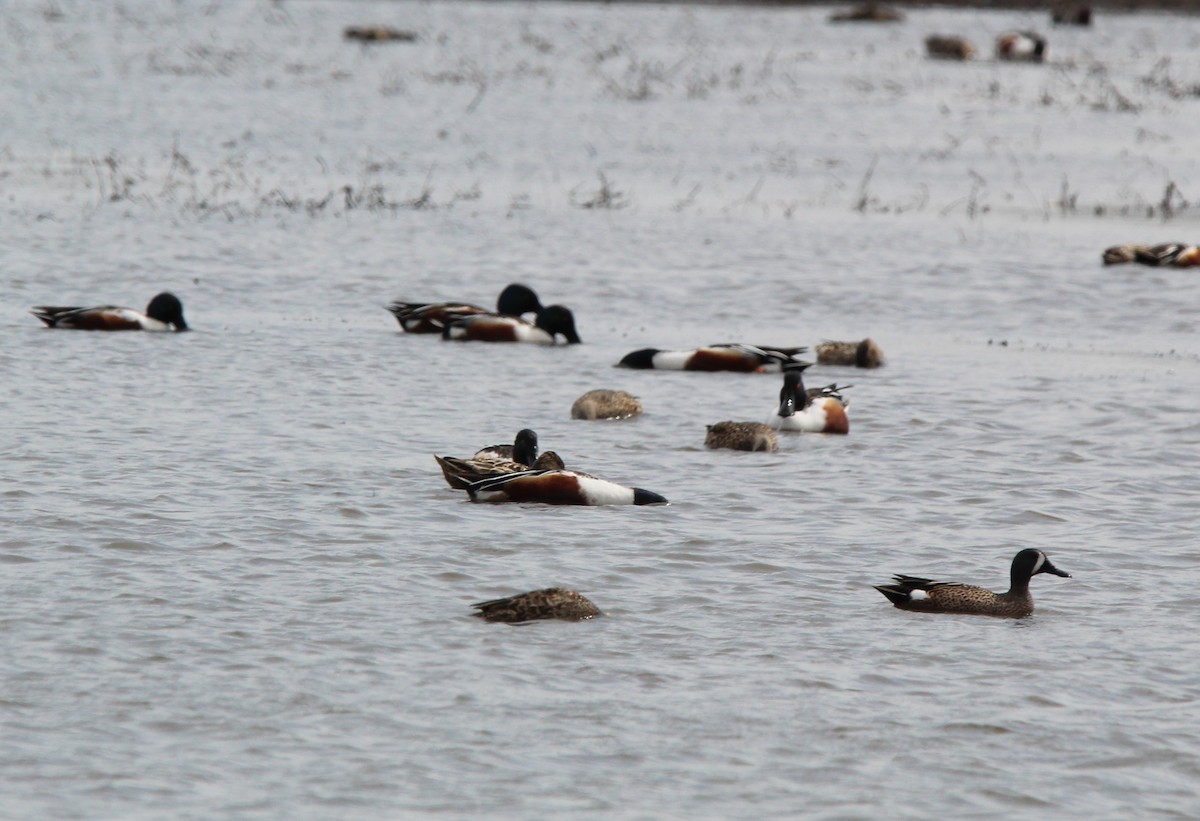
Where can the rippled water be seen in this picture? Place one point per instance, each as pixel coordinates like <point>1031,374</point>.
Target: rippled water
<point>235,585</point>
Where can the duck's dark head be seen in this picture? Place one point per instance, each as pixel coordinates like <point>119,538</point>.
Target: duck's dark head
<point>1031,561</point>
<point>792,396</point>
<point>525,447</point>
<point>559,320</point>
<point>642,359</point>
<point>167,308</point>
<point>518,299</point>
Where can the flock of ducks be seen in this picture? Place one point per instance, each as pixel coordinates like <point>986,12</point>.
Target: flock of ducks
<point>519,473</point>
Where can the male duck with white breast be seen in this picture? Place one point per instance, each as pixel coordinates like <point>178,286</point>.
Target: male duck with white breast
<point>552,322</point>
<point>813,410</point>
<point>164,313</point>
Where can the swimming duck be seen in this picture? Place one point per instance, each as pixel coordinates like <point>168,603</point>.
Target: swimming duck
<point>379,34</point>
<point>460,473</point>
<point>1121,254</point>
<point>1071,15</point>
<point>944,47</point>
<point>724,357</point>
<point>1187,257</point>
<point>1167,254</point>
<point>1021,46</point>
<point>867,13</point>
<point>524,449</point>
<point>164,313</point>
<point>551,322</point>
<point>926,596</point>
<point>433,317</point>
<point>864,354</point>
<point>497,460</point>
<point>741,436</point>
<point>603,404</point>
<point>548,603</point>
<point>1170,255</point>
<point>559,487</point>
<point>816,410</point>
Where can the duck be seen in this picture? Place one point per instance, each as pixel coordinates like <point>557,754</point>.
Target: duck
<point>1170,255</point>
<point>547,603</point>
<point>460,473</point>
<point>750,436</point>
<point>606,404</point>
<point>559,487</point>
<point>552,322</point>
<point>722,357</point>
<point>926,596</point>
<point>867,13</point>
<point>1187,257</point>
<point>524,448</point>
<point>498,460</point>
<point>1071,15</point>
<point>947,47</point>
<point>379,34</point>
<point>1167,254</point>
<point>1121,254</point>
<point>816,410</point>
<point>163,313</point>
<point>864,354</point>
<point>1021,46</point>
<point>433,317</point>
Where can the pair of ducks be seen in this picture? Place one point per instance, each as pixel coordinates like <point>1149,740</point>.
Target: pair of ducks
<point>517,473</point>
<point>744,358</point>
<point>1014,46</point>
<point>453,320</point>
<point>461,321</point>
<point>906,592</point>
<point>811,410</point>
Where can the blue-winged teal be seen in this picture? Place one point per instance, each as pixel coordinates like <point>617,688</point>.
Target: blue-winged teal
<point>433,317</point>
<point>559,487</point>
<point>549,603</point>
<point>926,596</point>
<point>864,354</point>
<point>164,313</point>
<point>815,410</point>
<point>605,404</point>
<point>741,436</point>
<point>724,357</point>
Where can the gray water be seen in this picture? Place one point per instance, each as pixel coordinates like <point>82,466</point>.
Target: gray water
<point>234,583</point>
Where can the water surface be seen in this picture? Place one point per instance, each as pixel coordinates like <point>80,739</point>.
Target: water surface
<point>235,585</point>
